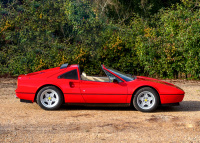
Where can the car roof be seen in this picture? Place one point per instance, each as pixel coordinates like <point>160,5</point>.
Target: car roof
<point>73,66</point>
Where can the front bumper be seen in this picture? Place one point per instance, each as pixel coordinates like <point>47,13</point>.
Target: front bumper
<point>171,98</point>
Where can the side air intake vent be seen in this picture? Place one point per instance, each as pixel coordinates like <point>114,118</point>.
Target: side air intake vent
<point>64,66</point>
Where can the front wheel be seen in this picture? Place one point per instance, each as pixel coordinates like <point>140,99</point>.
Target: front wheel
<point>49,98</point>
<point>146,99</point>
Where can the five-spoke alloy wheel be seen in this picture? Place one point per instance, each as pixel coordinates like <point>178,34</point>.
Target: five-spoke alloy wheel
<point>146,99</point>
<point>49,98</point>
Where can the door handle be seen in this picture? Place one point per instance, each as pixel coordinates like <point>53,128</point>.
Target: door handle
<point>71,84</point>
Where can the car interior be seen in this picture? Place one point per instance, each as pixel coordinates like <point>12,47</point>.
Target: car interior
<point>94,78</point>
<point>107,77</point>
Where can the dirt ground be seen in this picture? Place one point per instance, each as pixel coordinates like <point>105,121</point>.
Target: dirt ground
<point>25,122</point>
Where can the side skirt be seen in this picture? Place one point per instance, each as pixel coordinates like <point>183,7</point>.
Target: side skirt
<point>100,104</point>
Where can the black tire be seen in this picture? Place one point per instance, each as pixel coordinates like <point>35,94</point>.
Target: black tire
<point>50,98</point>
<point>146,100</point>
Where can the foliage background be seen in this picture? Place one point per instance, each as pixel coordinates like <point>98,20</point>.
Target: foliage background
<point>158,38</point>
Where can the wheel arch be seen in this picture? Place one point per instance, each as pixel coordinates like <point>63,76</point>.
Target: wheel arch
<point>45,86</point>
<point>135,91</point>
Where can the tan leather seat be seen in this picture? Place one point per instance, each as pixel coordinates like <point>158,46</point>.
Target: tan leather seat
<point>93,78</point>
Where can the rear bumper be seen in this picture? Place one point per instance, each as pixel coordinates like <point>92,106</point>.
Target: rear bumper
<point>171,98</point>
<point>25,96</point>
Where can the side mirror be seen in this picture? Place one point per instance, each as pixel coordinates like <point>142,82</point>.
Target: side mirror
<point>115,81</point>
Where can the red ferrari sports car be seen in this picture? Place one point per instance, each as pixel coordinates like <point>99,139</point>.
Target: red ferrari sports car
<point>67,84</point>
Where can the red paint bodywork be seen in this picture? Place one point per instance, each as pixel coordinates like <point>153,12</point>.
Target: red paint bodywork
<point>92,91</point>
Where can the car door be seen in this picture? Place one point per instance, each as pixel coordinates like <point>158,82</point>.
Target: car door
<point>103,92</point>
<point>71,87</point>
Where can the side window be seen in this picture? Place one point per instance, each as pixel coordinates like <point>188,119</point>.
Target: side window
<point>70,75</point>
<point>112,77</point>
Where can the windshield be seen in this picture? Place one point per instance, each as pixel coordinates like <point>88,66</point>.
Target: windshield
<point>124,76</point>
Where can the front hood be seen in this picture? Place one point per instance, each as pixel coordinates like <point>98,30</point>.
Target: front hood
<point>154,80</point>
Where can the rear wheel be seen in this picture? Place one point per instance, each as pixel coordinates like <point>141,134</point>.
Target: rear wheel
<point>146,99</point>
<point>49,98</point>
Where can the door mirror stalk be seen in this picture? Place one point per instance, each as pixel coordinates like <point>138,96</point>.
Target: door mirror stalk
<point>115,81</point>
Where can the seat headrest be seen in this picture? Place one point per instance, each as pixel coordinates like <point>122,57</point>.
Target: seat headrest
<point>83,74</point>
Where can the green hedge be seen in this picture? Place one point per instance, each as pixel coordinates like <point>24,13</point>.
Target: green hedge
<point>38,35</point>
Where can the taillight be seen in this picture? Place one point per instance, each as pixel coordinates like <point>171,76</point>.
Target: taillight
<point>18,80</point>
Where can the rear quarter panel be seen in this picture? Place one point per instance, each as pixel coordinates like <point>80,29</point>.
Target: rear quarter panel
<point>30,83</point>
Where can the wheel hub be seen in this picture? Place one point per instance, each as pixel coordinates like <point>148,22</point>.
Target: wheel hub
<point>146,100</point>
<point>49,98</point>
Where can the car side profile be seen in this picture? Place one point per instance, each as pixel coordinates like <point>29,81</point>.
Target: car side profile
<point>68,84</point>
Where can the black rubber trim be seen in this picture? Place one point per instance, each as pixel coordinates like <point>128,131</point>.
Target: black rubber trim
<point>171,104</point>
<point>26,101</point>
<point>96,94</point>
<point>171,94</point>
